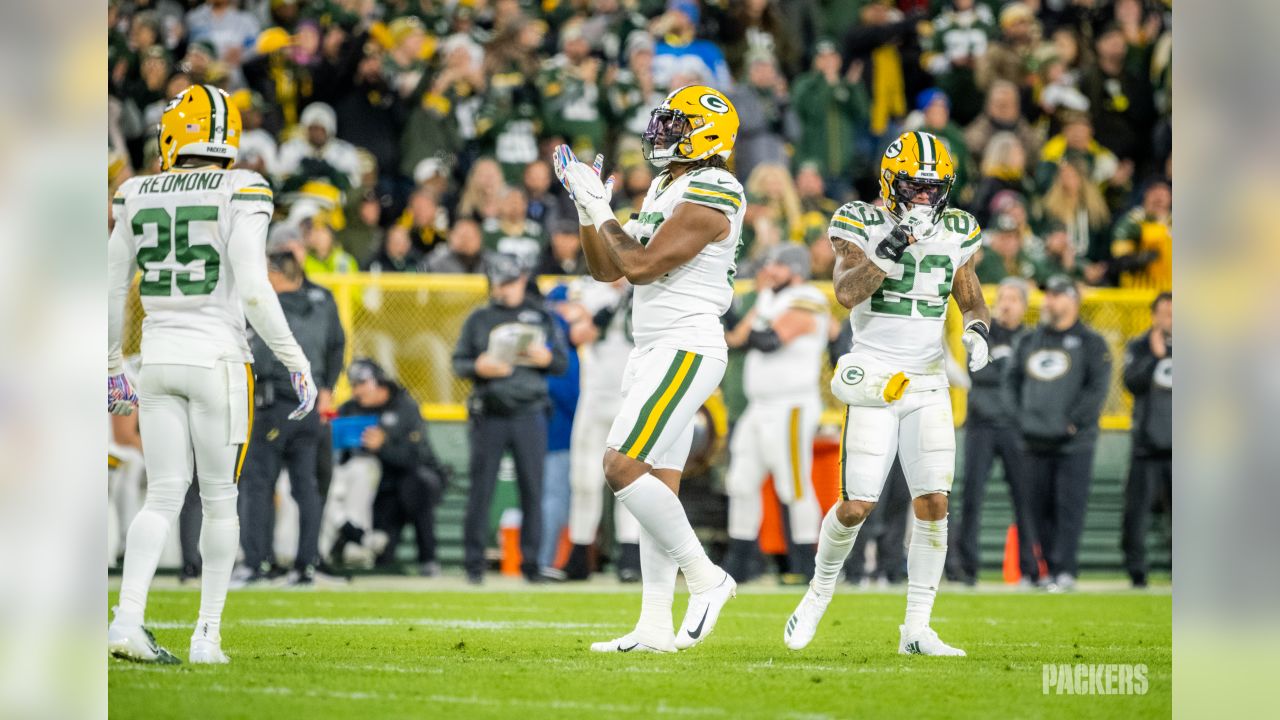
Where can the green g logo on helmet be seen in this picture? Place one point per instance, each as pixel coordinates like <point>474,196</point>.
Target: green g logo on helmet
<point>852,375</point>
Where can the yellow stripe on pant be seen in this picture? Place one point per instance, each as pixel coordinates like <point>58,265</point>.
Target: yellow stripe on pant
<point>844,429</point>
<point>651,422</point>
<point>244,449</point>
<point>794,435</point>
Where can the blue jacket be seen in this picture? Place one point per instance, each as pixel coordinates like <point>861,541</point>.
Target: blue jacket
<point>563,389</point>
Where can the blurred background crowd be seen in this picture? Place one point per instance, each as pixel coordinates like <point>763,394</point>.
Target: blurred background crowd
<point>414,135</point>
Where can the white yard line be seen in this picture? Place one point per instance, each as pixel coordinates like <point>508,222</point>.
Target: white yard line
<point>660,708</point>
<point>442,623</point>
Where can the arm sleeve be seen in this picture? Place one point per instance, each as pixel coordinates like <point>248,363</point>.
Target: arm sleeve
<point>335,349</point>
<point>765,341</point>
<point>246,248</point>
<point>120,263</point>
<point>1093,394</point>
<point>465,352</point>
<point>1139,364</point>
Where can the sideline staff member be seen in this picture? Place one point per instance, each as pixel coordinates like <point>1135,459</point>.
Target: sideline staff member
<point>278,441</point>
<point>990,431</point>
<point>507,349</point>
<point>1148,374</point>
<point>1058,379</point>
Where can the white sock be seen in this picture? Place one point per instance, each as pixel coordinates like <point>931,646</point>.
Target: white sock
<point>658,577</point>
<point>834,543</point>
<point>660,513</point>
<point>142,549</point>
<point>925,559</point>
<point>219,540</point>
<point>145,543</point>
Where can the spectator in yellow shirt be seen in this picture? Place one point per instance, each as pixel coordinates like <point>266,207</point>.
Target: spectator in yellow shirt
<point>1142,243</point>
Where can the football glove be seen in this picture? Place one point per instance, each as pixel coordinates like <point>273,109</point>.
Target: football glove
<point>976,340</point>
<point>916,225</point>
<point>589,199</point>
<point>121,400</point>
<point>889,251</point>
<point>305,387</point>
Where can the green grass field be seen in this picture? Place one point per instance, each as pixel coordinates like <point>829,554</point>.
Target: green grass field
<point>516,652</point>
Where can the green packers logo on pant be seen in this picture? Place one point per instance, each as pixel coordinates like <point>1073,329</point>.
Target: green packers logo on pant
<point>852,375</point>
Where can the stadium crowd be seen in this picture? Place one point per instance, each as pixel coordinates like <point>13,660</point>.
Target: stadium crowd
<point>415,136</point>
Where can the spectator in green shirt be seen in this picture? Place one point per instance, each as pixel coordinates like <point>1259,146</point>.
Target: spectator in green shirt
<point>832,108</point>
<point>574,104</point>
<point>934,116</point>
<point>1004,256</point>
<point>511,232</point>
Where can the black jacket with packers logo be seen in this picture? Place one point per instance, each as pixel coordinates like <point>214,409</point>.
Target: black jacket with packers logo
<point>988,403</point>
<point>1150,379</point>
<point>1056,384</point>
<point>525,389</point>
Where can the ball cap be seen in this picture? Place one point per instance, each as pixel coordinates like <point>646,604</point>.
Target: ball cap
<point>363,370</point>
<point>794,257</point>
<point>502,269</point>
<point>1061,285</point>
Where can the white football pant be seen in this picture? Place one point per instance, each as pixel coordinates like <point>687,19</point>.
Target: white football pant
<point>774,439</point>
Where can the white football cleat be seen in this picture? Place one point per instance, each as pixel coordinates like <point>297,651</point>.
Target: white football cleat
<point>136,643</point>
<point>704,610</point>
<point>206,649</point>
<point>803,623</point>
<point>632,643</point>
<point>924,642</point>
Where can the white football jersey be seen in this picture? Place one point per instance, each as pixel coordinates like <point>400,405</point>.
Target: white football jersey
<point>902,322</point>
<point>793,371</point>
<point>180,223</point>
<point>682,309</point>
<point>604,360</point>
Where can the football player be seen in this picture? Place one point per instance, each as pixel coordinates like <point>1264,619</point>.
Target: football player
<point>602,324</point>
<point>896,267</point>
<point>680,253</point>
<point>785,334</point>
<point>197,233</point>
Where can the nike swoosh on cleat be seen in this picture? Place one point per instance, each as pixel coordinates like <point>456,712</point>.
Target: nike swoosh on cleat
<point>694,633</point>
<point>629,649</point>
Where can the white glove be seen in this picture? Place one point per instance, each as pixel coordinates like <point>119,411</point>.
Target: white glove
<point>121,400</point>
<point>306,389</point>
<point>975,344</point>
<point>583,184</point>
<point>919,223</point>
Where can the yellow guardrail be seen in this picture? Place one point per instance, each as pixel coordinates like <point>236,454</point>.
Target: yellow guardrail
<point>409,323</point>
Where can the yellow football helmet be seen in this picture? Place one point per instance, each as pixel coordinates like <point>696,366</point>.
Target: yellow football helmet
<point>915,163</point>
<point>200,121</point>
<point>693,123</point>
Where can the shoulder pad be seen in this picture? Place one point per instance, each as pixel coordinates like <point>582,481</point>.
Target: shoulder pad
<point>715,188</point>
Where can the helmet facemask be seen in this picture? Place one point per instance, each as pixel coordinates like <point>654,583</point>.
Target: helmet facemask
<point>904,189</point>
<point>668,129</point>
